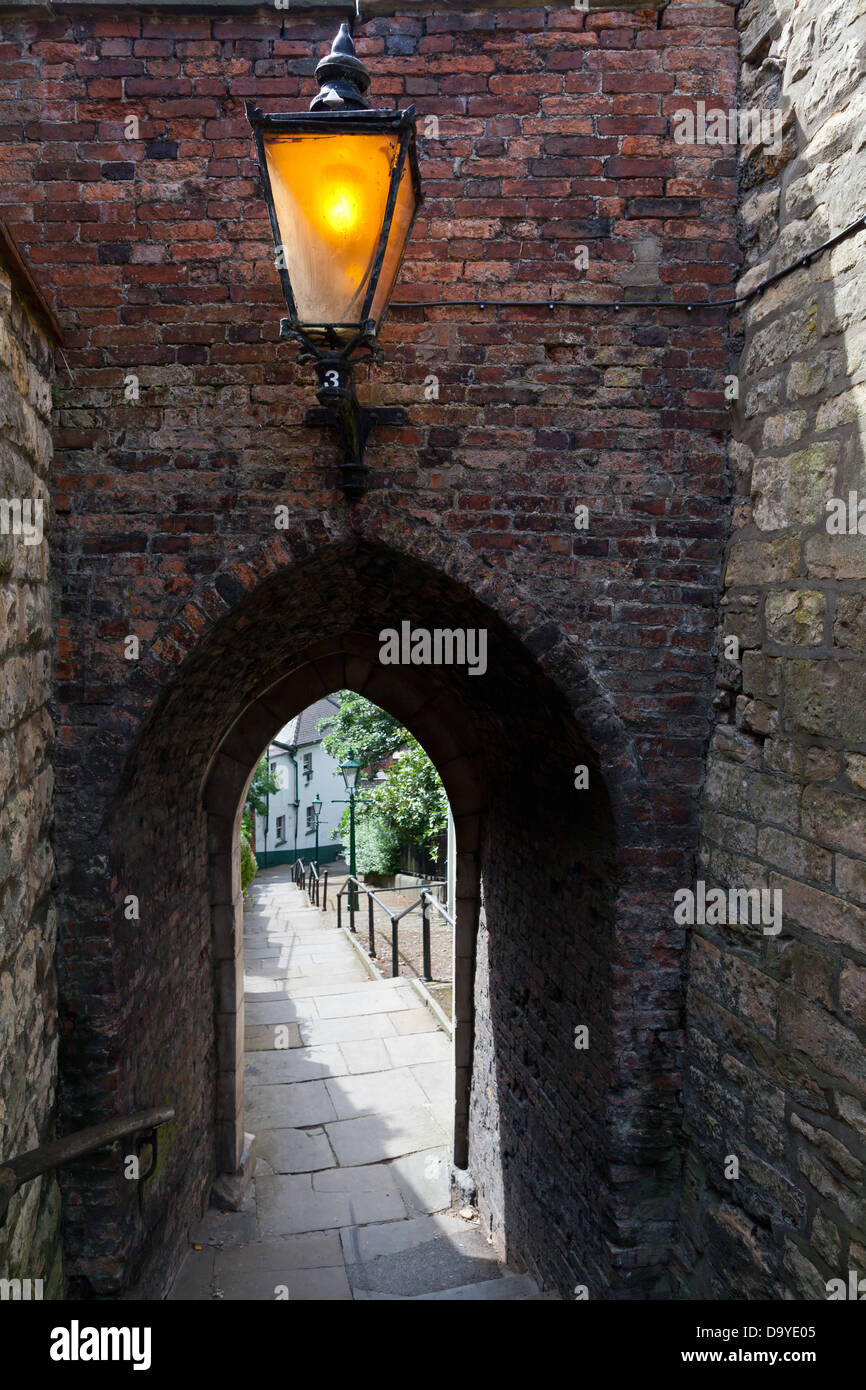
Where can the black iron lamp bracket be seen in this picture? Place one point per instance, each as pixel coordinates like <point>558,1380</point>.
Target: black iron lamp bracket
<point>341,106</point>
<point>341,410</point>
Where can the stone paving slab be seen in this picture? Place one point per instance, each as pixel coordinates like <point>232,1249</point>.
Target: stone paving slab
<point>362,1244</point>
<point>293,1064</point>
<point>451,1260</point>
<point>424,1178</point>
<point>263,1036</point>
<point>379,1093</point>
<point>281,1107</point>
<point>356,1029</point>
<point>297,1286</point>
<point>281,1254</point>
<point>373,1000</point>
<point>370,1177</point>
<point>367,1140</point>
<point>294,1150</point>
<point>512,1286</point>
<point>326,995</point>
<point>194,1281</point>
<point>415,1020</point>
<point>225,1228</point>
<point>366,1056</point>
<point>419,1047</point>
<point>436,1080</point>
<point>288,1205</point>
<point>284,1010</point>
<point>303,979</point>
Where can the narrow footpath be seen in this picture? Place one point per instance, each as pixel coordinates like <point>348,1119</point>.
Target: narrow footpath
<point>348,1091</point>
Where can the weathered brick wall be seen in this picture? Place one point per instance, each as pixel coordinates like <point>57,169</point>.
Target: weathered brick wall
<point>534,1093</point>
<point>29,1240</point>
<point>776,1071</point>
<point>554,134</point>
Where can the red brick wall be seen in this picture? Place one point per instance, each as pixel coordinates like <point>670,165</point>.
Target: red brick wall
<point>554,132</point>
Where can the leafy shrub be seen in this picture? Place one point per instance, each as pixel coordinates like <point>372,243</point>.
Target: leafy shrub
<point>249,863</point>
<point>411,801</point>
<point>377,848</point>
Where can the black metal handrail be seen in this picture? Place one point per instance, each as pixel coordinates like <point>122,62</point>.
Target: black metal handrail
<point>58,1152</point>
<point>314,884</point>
<point>426,900</point>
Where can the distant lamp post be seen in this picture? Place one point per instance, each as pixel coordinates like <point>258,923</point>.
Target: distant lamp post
<point>351,770</point>
<point>317,811</point>
<point>342,188</point>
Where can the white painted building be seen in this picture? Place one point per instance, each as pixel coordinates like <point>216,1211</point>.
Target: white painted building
<point>304,770</point>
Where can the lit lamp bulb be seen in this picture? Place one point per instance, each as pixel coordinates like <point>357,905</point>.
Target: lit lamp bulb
<point>341,199</point>
<point>341,212</point>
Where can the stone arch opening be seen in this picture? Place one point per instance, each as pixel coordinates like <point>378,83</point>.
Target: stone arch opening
<point>430,710</point>
<point>538,879</point>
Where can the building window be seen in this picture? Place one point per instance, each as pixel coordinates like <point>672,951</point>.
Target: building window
<point>281,829</point>
<point>308,767</point>
<point>311,818</point>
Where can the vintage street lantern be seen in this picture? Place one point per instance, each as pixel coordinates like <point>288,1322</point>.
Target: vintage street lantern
<point>351,770</point>
<point>317,812</point>
<point>342,188</point>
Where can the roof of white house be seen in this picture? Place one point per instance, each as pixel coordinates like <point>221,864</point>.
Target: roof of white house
<point>302,729</point>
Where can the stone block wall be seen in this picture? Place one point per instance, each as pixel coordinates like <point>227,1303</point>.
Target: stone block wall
<point>29,1239</point>
<point>776,1072</point>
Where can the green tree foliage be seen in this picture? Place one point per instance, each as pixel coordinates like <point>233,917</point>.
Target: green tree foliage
<point>362,728</point>
<point>409,807</point>
<point>411,801</point>
<point>264,784</point>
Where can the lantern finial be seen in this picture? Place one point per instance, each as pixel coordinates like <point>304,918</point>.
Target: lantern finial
<point>342,77</point>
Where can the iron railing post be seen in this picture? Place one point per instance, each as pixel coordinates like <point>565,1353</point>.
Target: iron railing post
<point>351,906</point>
<point>395,965</point>
<point>370,924</point>
<point>425,938</point>
<point>339,910</point>
<point>325,892</point>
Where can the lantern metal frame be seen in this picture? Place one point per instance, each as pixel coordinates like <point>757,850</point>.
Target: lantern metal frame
<point>356,770</point>
<point>340,107</point>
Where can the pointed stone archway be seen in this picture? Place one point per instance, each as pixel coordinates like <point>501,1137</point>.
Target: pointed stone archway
<point>552,918</point>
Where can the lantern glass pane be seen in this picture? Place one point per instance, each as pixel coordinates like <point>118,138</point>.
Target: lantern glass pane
<point>330,193</point>
<point>401,226</point>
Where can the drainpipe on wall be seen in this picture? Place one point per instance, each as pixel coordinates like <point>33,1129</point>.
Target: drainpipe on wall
<point>291,749</point>
<point>267,819</point>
